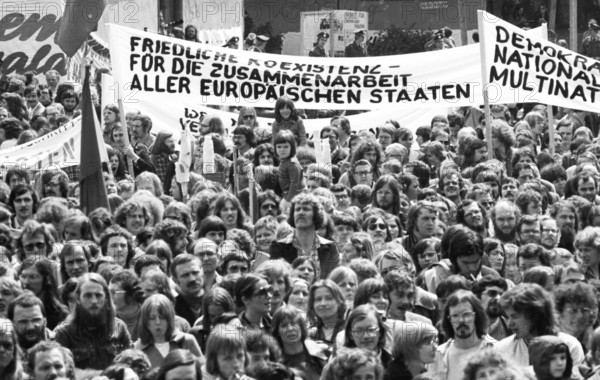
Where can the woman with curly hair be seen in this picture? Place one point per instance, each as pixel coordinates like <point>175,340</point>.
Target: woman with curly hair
<point>287,118</point>
<point>352,362</point>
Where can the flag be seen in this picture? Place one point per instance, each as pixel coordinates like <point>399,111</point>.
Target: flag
<point>80,18</point>
<point>91,180</point>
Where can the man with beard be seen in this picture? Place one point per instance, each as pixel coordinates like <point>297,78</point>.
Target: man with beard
<point>471,214</point>
<point>93,333</point>
<point>464,322</point>
<point>70,101</point>
<point>163,154</point>
<point>565,214</point>
<point>48,360</point>
<point>422,218</point>
<point>529,230</point>
<point>550,232</point>
<point>489,290</point>
<point>402,293</point>
<point>505,216</point>
<point>140,131</point>
<point>55,184</point>
<point>510,188</point>
<point>24,201</point>
<point>268,203</point>
<point>386,195</point>
<point>530,313</point>
<point>186,271</point>
<point>29,317</point>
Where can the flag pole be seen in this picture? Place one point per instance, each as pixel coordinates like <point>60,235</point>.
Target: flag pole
<point>125,132</point>
<point>485,83</point>
<point>549,114</point>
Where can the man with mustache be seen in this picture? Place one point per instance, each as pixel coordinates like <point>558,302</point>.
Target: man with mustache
<point>472,215</point>
<point>93,332</point>
<point>48,360</point>
<point>70,101</point>
<point>529,230</point>
<point>510,188</point>
<point>464,322</point>
<point>140,131</point>
<point>187,273</point>
<point>28,315</point>
<point>565,214</point>
<point>505,216</point>
<point>401,289</point>
<point>489,290</point>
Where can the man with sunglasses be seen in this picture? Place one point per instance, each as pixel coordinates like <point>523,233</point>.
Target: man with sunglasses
<point>489,290</point>
<point>268,203</point>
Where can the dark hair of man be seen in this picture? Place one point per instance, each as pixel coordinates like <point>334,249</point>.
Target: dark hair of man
<point>481,320</point>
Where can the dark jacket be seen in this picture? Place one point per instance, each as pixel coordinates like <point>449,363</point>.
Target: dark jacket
<point>329,258</point>
<point>184,310</point>
<point>356,50</point>
<point>540,354</point>
<point>317,52</point>
<point>90,352</point>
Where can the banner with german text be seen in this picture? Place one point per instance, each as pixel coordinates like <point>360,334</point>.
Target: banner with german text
<point>535,69</point>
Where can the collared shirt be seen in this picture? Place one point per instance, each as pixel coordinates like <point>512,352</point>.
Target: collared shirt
<point>312,252</point>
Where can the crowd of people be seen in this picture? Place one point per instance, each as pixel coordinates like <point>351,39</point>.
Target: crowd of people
<point>410,256</point>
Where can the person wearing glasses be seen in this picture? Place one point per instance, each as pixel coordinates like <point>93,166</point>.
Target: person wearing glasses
<point>412,352</point>
<point>577,309</point>
<point>38,275</point>
<point>529,230</point>
<point>489,290</point>
<point>530,313</point>
<point>464,322</point>
<point>378,230</point>
<point>254,294</point>
<point>359,174</point>
<point>588,250</point>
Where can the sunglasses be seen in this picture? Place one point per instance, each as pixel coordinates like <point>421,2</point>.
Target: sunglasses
<point>375,226</point>
<point>264,291</point>
<point>32,246</point>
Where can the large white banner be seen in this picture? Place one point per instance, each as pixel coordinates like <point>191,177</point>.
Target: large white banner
<point>537,70</point>
<point>156,68</point>
<point>159,67</point>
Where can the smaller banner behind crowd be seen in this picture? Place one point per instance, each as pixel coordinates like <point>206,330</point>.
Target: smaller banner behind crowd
<point>538,70</point>
<point>58,149</point>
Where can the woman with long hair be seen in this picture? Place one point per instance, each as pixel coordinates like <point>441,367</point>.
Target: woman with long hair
<point>216,302</point>
<point>327,311</point>
<point>347,280</point>
<point>229,209</point>
<point>290,330</point>
<point>226,355</point>
<point>38,276</point>
<point>287,118</point>
<point>298,294</point>
<point>158,335</point>
<point>365,329</point>
<point>10,364</point>
<point>253,295</point>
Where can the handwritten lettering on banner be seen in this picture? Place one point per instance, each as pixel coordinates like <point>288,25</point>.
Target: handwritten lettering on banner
<point>28,32</point>
<point>155,65</point>
<point>540,70</point>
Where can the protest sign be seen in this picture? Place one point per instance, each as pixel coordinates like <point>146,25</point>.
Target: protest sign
<point>159,67</point>
<point>57,149</point>
<point>537,70</point>
<point>28,31</point>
